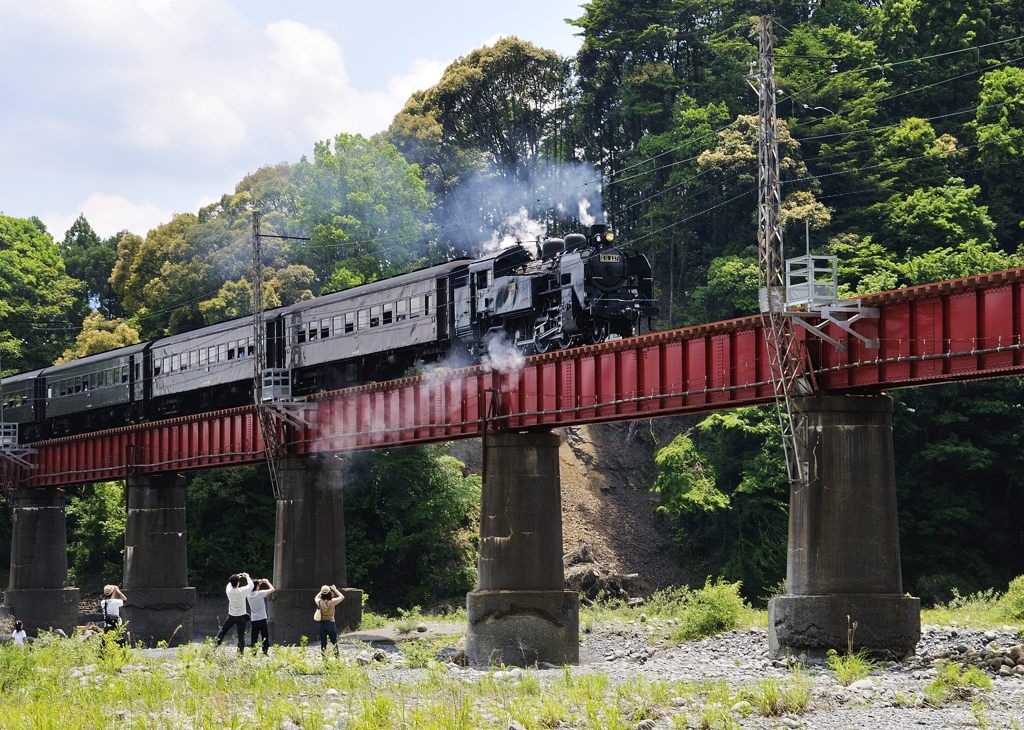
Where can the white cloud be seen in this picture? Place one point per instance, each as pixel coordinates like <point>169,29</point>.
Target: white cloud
<point>197,78</point>
<point>177,95</point>
<point>109,214</point>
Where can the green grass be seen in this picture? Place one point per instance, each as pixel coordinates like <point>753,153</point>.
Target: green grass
<point>849,667</point>
<point>61,683</point>
<point>954,682</point>
<point>982,610</point>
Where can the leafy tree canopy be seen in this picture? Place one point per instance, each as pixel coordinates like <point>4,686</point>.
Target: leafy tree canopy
<point>37,297</point>
<point>100,335</point>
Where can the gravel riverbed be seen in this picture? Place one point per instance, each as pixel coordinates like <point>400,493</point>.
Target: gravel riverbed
<point>711,683</point>
<point>891,697</point>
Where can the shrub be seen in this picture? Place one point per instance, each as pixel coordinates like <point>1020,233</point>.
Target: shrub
<point>715,608</point>
<point>1013,601</point>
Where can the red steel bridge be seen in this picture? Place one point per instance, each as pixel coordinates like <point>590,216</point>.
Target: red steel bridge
<point>964,329</point>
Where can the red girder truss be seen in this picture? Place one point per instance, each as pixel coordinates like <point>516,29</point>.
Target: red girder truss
<point>965,329</point>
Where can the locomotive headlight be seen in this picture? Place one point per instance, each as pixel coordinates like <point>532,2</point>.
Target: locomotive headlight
<point>609,236</point>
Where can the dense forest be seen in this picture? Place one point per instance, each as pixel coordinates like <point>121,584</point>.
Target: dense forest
<point>901,136</point>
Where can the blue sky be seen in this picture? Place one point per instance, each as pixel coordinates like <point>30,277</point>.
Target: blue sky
<point>133,110</point>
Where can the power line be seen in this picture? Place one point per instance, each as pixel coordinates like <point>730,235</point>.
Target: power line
<point>901,62</point>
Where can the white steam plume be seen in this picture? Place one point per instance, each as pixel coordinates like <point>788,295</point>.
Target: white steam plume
<point>584,215</point>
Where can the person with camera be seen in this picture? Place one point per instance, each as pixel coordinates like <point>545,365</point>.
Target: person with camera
<point>113,600</point>
<point>326,601</point>
<point>236,591</point>
<point>258,613</point>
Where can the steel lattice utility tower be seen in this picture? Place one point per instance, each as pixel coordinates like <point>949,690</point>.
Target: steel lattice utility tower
<point>268,423</point>
<point>782,345</point>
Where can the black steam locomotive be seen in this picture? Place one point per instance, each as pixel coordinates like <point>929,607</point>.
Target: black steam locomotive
<point>556,294</point>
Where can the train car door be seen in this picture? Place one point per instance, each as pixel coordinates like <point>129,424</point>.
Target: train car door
<point>442,308</point>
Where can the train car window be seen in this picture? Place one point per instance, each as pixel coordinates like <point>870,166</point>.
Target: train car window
<point>213,355</point>
<point>175,363</point>
<point>325,328</point>
<point>350,322</point>
<point>167,364</point>
<point>49,391</point>
<point>364,318</point>
<point>79,384</point>
<point>193,358</point>
<point>415,307</point>
<point>375,316</point>
<point>222,353</point>
<point>426,305</point>
<point>202,357</point>
<point>401,307</point>
<point>300,334</point>
<point>250,347</point>
<point>231,349</point>
<point>387,316</point>
<point>337,326</point>
<point>313,331</point>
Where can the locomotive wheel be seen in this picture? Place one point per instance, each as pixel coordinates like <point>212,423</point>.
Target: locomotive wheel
<point>545,345</point>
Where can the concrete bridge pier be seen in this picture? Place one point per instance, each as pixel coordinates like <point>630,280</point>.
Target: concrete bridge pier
<point>160,601</point>
<point>521,613</point>
<point>309,548</point>
<point>38,591</point>
<point>843,563</point>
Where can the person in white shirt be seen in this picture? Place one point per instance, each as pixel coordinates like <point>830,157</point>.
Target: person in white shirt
<point>111,604</point>
<point>236,592</point>
<point>18,635</point>
<point>258,614</point>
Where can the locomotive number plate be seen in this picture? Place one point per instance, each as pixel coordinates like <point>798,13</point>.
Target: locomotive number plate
<point>609,258</point>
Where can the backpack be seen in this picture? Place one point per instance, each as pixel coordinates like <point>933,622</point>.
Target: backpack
<point>109,620</point>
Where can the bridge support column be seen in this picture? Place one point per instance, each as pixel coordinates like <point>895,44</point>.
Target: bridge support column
<point>160,601</point>
<point>521,613</point>
<point>309,548</point>
<point>844,549</point>
<point>38,591</point>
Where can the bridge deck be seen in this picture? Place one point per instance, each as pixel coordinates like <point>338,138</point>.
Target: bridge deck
<point>965,329</point>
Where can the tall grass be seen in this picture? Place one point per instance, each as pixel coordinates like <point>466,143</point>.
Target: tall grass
<point>984,609</point>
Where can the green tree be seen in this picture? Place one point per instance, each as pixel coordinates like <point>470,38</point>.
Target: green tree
<point>998,127</point>
<point>363,205</point>
<point>411,520</point>
<point>100,335</point>
<point>936,217</point>
<point>230,515</point>
<point>685,484</point>
<point>90,260</point>
<point>96,525</point>
<point>37,297</point>
<point>724,487</point>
